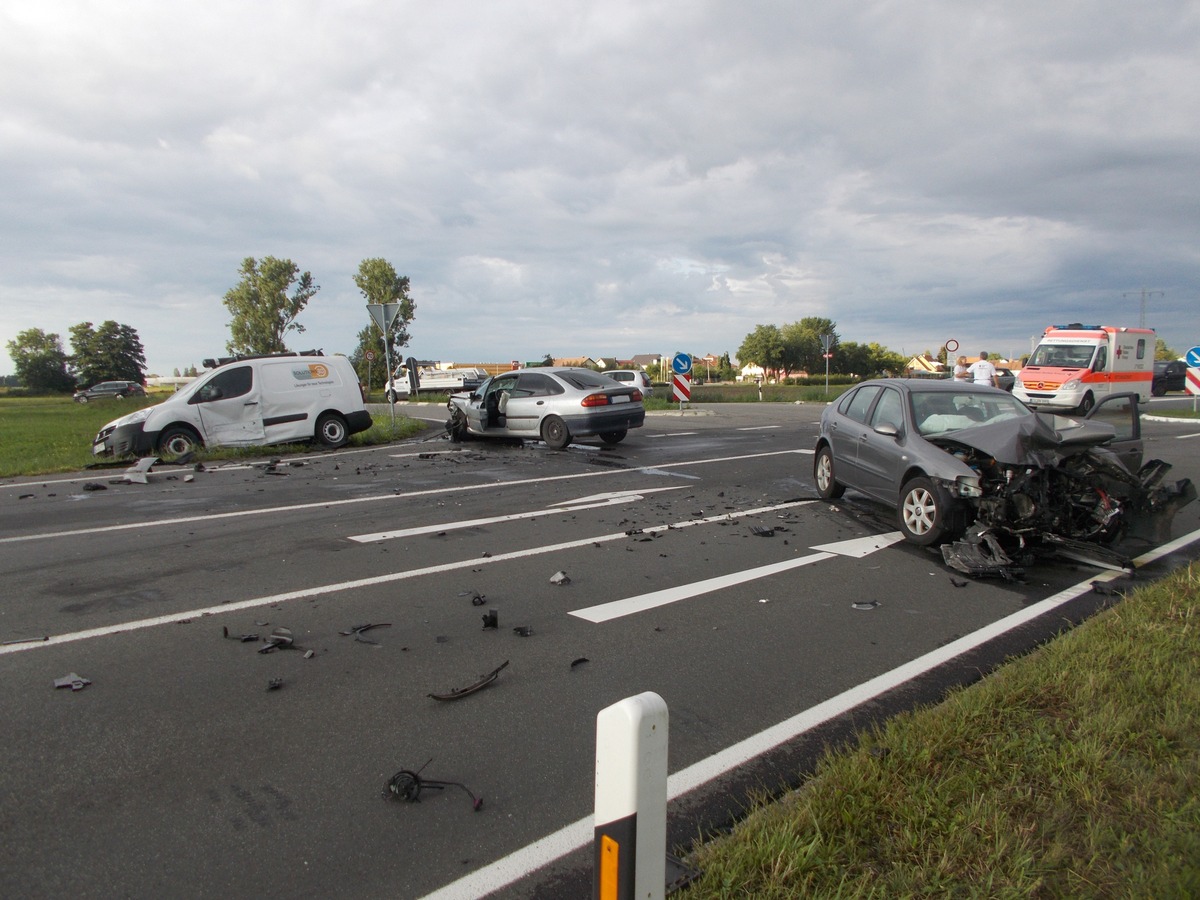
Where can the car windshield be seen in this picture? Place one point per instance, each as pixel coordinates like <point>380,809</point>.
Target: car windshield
<point>938,412</point>
<point>1063,356</point>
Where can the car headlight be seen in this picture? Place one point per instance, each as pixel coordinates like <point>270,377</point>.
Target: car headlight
<point>133,418</point>
<point>968,486</point>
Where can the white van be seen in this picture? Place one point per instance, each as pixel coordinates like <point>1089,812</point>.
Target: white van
<point>249,401</point>
<point>431,378</point>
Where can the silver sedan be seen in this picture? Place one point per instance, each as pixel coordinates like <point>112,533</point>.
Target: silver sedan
<point>554,404</point>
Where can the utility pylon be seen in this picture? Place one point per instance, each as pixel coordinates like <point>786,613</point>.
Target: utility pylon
<point>1144,294</point>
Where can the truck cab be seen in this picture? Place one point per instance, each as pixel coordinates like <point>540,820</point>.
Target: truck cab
<point>1074,366</point>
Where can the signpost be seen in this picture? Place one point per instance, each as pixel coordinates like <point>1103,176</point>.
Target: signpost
<point>826,343</point>
<point>681,371</point>
<point>383,315</point>
<point>1192,379</point>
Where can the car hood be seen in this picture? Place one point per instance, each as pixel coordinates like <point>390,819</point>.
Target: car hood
<point>1030,440</point>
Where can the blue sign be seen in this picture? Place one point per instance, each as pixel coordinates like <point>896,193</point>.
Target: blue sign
<point>1193,357</point>
<point>681,364</point>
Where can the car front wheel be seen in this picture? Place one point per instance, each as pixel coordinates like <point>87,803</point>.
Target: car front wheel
<point>827,486</point>
<point>81,399</point>
<point>177,441</point>
<point>331,431</point>
<point>923,512</point>
<point>555,433</point>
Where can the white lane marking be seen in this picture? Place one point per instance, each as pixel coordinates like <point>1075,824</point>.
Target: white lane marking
<point>512,868</point>
<point>462,488</point>
<point>863,546</point>
<point>759,427</point>
<point>357,584</point>
<point>674,434</point>
<point>1180,437</point>
<point>615,498</point>
<point>615,609</point>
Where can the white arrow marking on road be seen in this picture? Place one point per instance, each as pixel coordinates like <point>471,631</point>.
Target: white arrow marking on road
<point>856,548</point>
<point>613,498</point>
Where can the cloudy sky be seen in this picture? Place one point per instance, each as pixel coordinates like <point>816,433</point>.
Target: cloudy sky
<point>603,178</point>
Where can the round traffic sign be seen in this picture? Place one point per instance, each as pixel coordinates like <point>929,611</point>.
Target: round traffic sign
<point>949,348</point>
<point>369,356</point>
<point>681,364</point>
<point>1193,357</point>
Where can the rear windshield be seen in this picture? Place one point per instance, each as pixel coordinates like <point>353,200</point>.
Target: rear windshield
<point>585,379</point>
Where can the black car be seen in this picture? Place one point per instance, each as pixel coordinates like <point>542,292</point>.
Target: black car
<point>1168,376</point>
<point>115,389</point>
<point>1005,379</point>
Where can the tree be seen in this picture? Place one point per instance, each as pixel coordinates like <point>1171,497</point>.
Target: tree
<point>803,349</point>
<point>110,353</point>
<point>40,362</point>
<point>379,283</point>
<point>262,310</point>
<point>763,347</point>
<point>1162,351</point>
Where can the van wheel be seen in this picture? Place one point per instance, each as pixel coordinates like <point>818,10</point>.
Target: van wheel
<point>331,431</point>
<point>391,396</point>
<point>555,433</point>
<point>178,440</point>
<point>614,437</point>
<point>1088,403</point>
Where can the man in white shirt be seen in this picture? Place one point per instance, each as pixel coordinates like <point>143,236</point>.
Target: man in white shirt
<point>983,371</point>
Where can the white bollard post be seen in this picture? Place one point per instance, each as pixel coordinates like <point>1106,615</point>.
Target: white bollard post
<point>630,842</point>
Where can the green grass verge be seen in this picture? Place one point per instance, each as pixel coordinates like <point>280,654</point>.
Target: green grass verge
<point>1072,772</point>
<point>42,435</point>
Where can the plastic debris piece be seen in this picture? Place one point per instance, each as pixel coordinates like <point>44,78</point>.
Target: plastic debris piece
<point>274,684</point>
<point>244,638</point>
<point>523,630</point>
<point>280,637</point>
<point>560,578</point>
<point>957,582</point>
<point>763,531</point>
<point>94,486</point>
<point>189,478</point>
<point>407,785</point>
<point>482,682</point>
<point>358,630</point>
<point>309,654</point>
<point>491,619</point>
<point>579,662</point>
<point>1100,587</point>
<point>477,599</point>
<point>137,474</point>
<point>32,640</point>
<point>865,605</point>
<point>73,681</point>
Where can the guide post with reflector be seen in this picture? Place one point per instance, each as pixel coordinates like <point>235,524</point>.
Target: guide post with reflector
<point>630,843</point>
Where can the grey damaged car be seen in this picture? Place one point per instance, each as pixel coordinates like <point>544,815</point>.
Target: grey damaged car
<point>996,485</point>
<point>553,404</point>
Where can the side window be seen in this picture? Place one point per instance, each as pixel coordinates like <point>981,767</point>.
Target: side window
<point>888,410</point>
<point>1101,360</point>
<point>531,384</point>
<point>858,404</point>
<point>230,383</point>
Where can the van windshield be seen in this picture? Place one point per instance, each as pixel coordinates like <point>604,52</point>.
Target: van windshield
<point>1062,356</point>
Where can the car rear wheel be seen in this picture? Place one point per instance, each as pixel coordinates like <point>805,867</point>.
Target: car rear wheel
<point>178,441</point>
<point>331,431</point>
<point>555,433</point>
<point>614,437</point>
<point>923,512</point>
<point>1158,389</point>
<point>827,486</point>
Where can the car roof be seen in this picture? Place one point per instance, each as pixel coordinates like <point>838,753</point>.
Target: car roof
<point>933,384</point>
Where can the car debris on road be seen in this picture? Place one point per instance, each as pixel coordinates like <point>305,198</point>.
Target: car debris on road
<point>480,684</point>
<point>72,681</point>
<point>407,785</point>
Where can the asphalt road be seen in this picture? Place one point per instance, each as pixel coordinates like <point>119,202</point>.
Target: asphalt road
<point>700,567</point>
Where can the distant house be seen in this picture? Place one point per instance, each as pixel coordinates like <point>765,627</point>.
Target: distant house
<point>645,360</point>
<point>924,367</point>
<point>607,362</point>
<point>579,362</point>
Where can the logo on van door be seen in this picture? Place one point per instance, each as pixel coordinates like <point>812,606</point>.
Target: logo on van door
<point>311,372</point>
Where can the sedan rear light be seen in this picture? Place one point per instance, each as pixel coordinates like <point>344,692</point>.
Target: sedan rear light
<point>595,400</point>
<point>637,396</point>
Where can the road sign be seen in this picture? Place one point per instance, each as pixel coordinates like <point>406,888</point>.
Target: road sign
<point>681,364</point>
<point>383,314</point>
<point>682,387</point>
<point>369,356</point>
<point>1192,381</point>
<point>1193,358</point>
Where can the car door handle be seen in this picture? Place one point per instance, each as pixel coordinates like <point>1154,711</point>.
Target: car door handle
<point>541,403</point>
<point>250,403</point>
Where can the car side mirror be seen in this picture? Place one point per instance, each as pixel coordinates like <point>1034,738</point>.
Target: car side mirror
<point>887,429</point>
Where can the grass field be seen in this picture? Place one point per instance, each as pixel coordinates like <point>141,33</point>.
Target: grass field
<point>1073,772</point>
<point>42,435</point>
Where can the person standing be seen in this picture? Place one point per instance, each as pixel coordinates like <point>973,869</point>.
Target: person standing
<point>983,372</point>
<point>960,369</point>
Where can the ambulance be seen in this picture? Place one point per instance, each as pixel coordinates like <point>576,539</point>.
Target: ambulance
<point>1075,365</point>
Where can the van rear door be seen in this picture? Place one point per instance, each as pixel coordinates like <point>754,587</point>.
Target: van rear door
<point>230,408</point>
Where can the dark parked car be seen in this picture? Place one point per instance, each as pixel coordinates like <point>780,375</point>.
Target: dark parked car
<point>977,471</point>
<point>115,389</point>
<point>1168,376</point>
<point>1005,379</point>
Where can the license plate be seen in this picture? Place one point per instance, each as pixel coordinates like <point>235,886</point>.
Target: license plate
<point>619,398</point>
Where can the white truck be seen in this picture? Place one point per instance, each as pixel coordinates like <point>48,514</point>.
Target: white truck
<point>429,376</point>
<point>1075,365</point>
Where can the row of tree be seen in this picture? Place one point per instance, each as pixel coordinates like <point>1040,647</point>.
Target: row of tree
<point>801,347</point>
<point>112,352</point>
<point>264,306</point>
